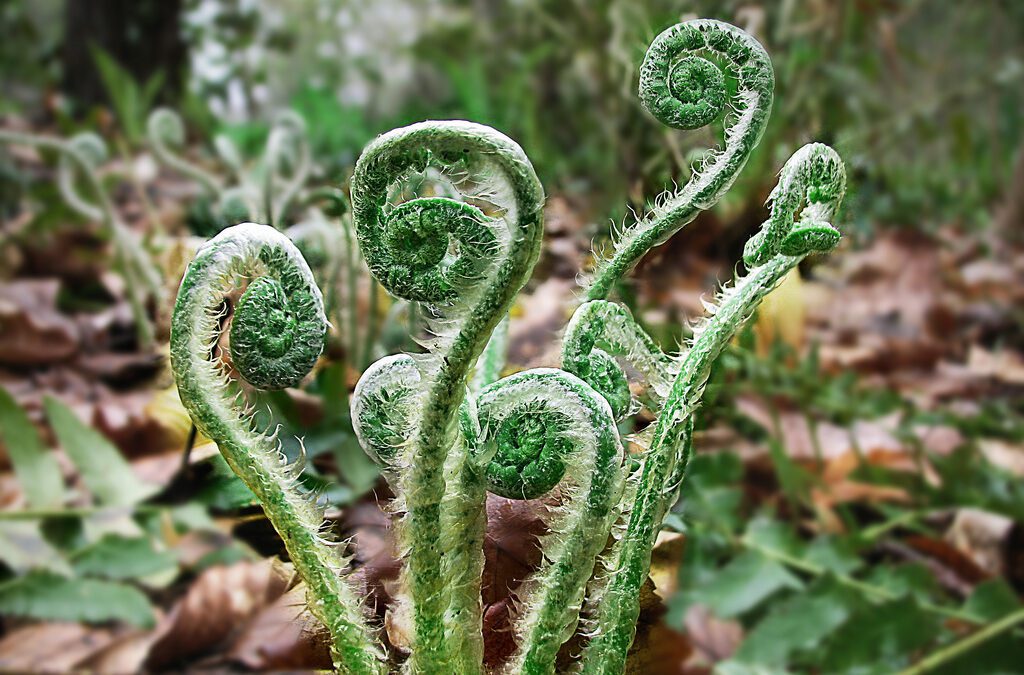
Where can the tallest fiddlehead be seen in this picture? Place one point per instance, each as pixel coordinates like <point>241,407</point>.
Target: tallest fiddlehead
<point>686,90</point>
<point>812,183</point>
<point>465,266</point>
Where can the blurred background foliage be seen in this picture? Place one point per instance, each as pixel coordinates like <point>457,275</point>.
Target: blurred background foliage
<point>922,98</point>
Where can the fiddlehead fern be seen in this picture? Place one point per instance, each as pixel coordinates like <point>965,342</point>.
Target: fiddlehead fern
<point>166,134</point>
<point>540,429</point>
<point>286,161</point>
<point>685,90</point>
<point>277,333</point>
<point>466,267</point>
<point>263,192</point>
<point>814,178</point>
<point>84,154</point>
<point>79,158</point>
<point>600,331</point>
<point>524,436</point>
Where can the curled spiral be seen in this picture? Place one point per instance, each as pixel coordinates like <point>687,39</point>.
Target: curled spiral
<point>531,447</point>
<point>430,249</point>
<point>417,236</point>
<point>83,152</point>
<point>684,93</point>
<point>166,135</point>
<point>277,332</point>
<point>683,85</point>
<point>276,336</point>
<point>382,409</point>
<point>538,429</point>
<point>278,325</point>
<point>598,332</point>
<point>466,267</point>
<point>813,179</point>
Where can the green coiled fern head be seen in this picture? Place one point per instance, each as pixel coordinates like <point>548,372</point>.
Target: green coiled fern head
<point>278,324</point>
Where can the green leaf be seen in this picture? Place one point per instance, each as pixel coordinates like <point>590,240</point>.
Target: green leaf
<point>222,489</point>
<point>719,469</point>
<point>799,623</point>
<point>104,471</point>
<point>130,100</point>
<point>909,579</point>
<point>49,597</point>
<point>354,466</point>
<point>35,467</point>
<point>23,547</point>
<point>743,584</point>
<point>992,600</point>
<point>882,638</point>
<point>774,535</point>
<point>118,557</point>
<point>833,554</point>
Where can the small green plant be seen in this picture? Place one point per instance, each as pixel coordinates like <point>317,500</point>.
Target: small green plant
<point>261,192</point>
<point>441,425</point>
<point>130,99</point>
<point>326,239</point>
<point>79,159</point>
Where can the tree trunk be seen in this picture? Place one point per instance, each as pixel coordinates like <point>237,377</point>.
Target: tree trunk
<point>143,36</point>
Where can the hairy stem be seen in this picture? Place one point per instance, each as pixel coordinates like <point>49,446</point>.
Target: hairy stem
<point>405,247</point>
<point>813,178</point>
<point>685,90</point>
<point>541,428</point>
<point>277,334</point>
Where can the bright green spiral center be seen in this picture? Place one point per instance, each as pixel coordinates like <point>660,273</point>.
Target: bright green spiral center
<point>681,89</point>
<point>607,379</point>
<point>434,245</point>
<point>277,332</point>
<point>698,91</point>
<point>531,448</point>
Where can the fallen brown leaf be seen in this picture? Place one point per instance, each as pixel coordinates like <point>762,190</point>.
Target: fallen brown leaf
<point>712,639</point>
<point>215,607</point>
<point>1007,456</point>
<point>283,636</point>
<point>983,537</point>
<point>50,647</point>
<point>510,554</point>
<point>34,332</point>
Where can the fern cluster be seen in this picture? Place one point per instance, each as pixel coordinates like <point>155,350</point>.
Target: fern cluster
<point>79,160</point>
<point>449,215</point>
<point>262,192</point>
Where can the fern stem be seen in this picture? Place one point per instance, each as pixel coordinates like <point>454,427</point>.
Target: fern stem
<point>277,334</point>
<point>405,248</point>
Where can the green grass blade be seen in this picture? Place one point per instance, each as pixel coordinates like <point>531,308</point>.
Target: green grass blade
<point>105,472</point>
<point>35,467</point>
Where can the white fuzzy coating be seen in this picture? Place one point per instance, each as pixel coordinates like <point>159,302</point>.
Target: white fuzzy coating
<point>579,524</point>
